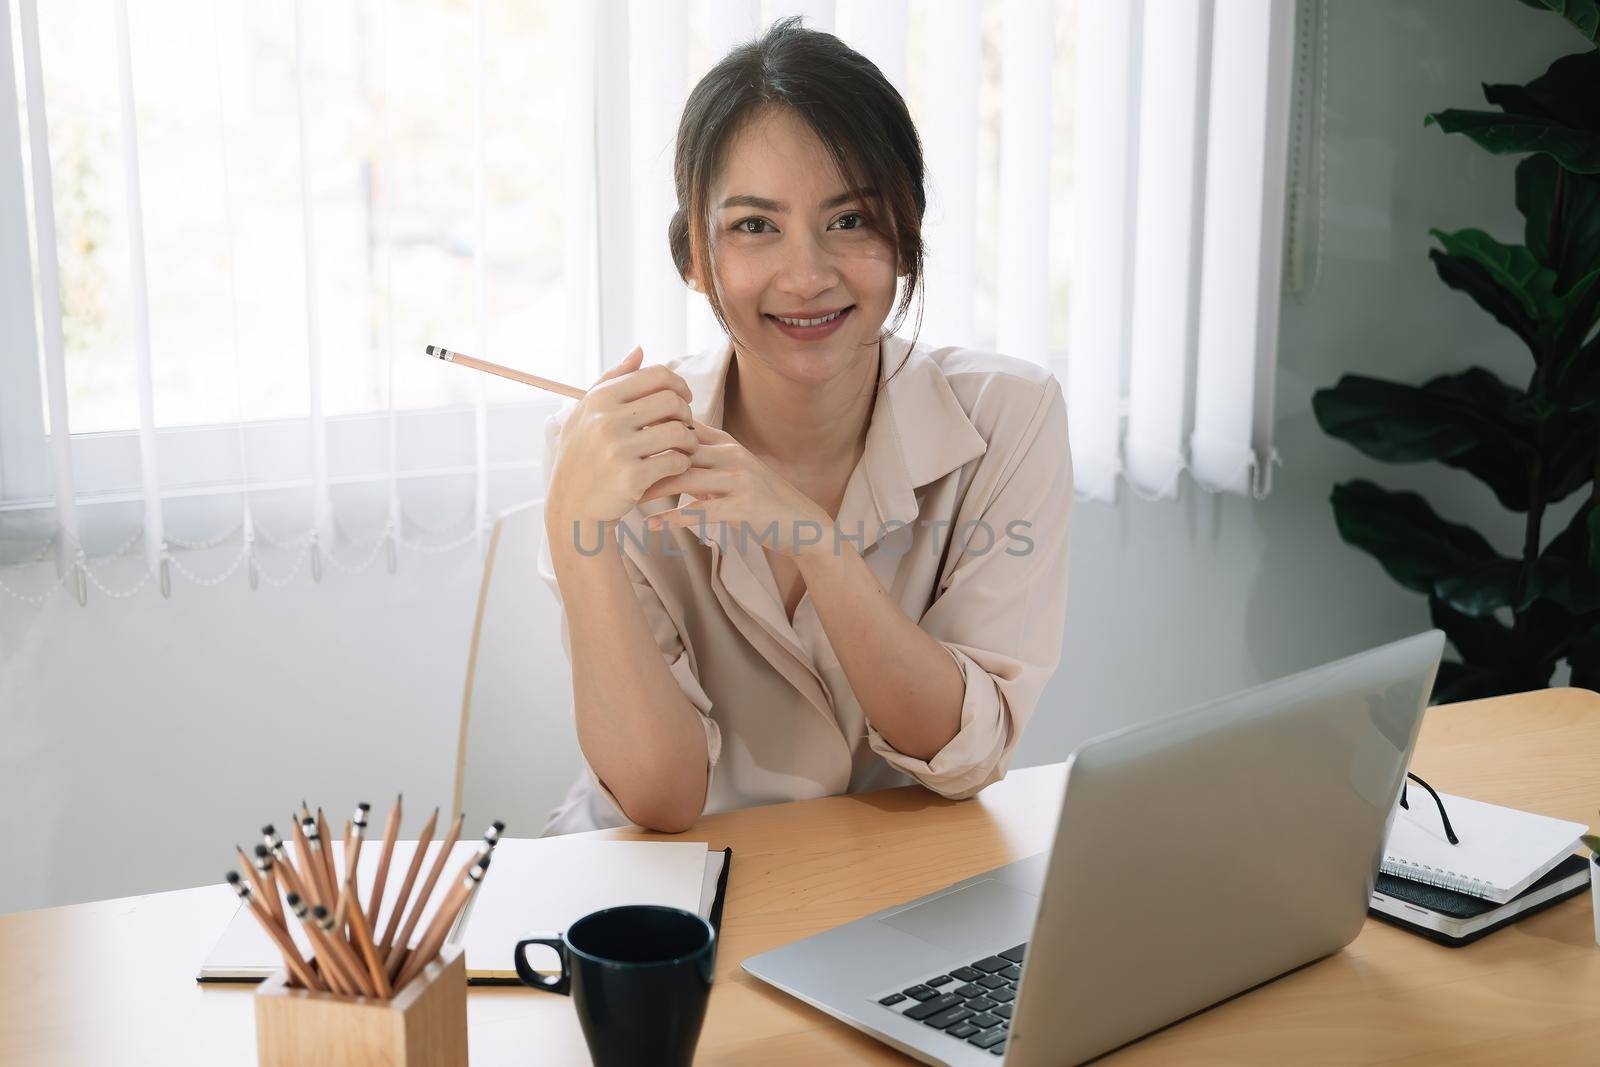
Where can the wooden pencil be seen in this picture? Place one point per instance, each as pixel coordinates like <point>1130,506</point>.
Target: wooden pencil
<point>310,882</point>
<point>363,938</point>
<point>391,830</point>
<point>332,967</point>
<point>398,948</point>
<point>317,862</point>
<point>327,857</point>
<point>506,372</point>
<point>431,941</point>
<point>341,950</point>
<point>269,878</point>
<point>398,908</point>
<point>280,936</point>
<point>282,865</point>
<point>258,888</point>
<point>356,832</point>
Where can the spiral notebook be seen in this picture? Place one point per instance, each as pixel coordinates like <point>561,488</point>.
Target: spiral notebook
<point>1502,851</point>
<point>1456,919</point>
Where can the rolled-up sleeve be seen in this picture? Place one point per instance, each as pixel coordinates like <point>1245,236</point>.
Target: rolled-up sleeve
<point>667,635</point>
<point>1001,612</point>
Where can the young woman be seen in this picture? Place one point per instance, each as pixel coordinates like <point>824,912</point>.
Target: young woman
<point>815,558</point>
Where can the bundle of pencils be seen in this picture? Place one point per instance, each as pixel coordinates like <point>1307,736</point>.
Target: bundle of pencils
<point>355,951</point>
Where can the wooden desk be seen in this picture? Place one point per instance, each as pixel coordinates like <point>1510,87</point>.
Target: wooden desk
<point>113,982</point>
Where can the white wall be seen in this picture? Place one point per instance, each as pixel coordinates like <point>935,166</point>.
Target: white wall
<point>140,738</point>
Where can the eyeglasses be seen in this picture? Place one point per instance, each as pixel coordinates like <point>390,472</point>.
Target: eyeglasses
<point>1443,817</point>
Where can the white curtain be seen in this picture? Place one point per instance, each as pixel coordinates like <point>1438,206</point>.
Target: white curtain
<point>365,179</point>
<point>1177,254</point>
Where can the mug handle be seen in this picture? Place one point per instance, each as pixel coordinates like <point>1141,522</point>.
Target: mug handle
<point>531,977</point>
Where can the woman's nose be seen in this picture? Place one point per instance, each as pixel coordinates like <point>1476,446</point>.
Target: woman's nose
<point>807,268</point>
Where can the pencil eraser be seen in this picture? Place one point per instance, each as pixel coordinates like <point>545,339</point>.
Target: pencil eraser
<point>432,351</point>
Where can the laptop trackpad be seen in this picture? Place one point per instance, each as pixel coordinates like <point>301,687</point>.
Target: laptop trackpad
<point>981,919</point>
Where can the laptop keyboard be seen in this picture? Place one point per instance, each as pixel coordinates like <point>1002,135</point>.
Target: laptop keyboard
<point>971,1003</point>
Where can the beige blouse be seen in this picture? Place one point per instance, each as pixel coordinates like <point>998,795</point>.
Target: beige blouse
<point>961,500</point>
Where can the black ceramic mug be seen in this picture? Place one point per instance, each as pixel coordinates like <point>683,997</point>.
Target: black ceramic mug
<point>639,975</point>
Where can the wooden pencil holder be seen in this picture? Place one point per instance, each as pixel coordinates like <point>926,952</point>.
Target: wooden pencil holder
<point>425,1025</point>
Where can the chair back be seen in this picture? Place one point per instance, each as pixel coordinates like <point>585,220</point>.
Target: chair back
<point>517,752</point>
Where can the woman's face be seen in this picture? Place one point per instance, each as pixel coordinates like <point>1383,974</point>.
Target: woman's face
<point>787,243</point>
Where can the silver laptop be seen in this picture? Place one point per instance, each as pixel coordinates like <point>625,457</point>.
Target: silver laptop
<point>1195,856</point>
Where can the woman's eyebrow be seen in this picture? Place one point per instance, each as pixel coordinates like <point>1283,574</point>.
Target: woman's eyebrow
<point>761,202</point>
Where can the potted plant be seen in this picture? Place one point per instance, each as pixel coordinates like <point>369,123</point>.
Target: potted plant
<point>1510,617</point>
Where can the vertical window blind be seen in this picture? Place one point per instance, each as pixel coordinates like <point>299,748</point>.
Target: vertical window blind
<point>1178,247</point>
<point>229,229</point>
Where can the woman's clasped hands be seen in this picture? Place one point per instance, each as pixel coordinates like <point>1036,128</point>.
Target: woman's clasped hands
<point>633,438</point>
<point>732,486</point>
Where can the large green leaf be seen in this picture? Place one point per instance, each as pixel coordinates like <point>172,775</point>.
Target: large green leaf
<point>1527,300</point>
<point>1566,93</point>
<point>1569,573</point>
<point>1407,538</point>
<point>1513,268</point>
<point>1584,14</point>
<point>1466,420</point>
<point>1481,641</point>
<point>1461,273</point>
<point>1503,134</point>
<point>1573,250</point>
<point>1502,583</point>
<point>1575,381</point>
<point>1547,630</point>
<point>1571,439</point>
<point>1399,423</point>
<point>1578,310</point>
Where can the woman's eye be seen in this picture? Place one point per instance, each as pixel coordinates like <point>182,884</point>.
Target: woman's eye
<point>860,220</point>
<point>743,223</point>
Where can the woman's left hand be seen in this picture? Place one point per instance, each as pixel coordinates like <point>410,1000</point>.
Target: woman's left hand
<point>732,486</point>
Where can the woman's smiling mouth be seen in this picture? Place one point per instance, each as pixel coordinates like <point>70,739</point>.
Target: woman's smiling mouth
<point>811,328</point>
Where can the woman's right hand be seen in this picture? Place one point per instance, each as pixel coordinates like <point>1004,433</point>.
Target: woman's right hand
<point>631,429</point>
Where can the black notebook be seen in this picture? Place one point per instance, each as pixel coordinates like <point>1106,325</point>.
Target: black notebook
<point>1453,918</point>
